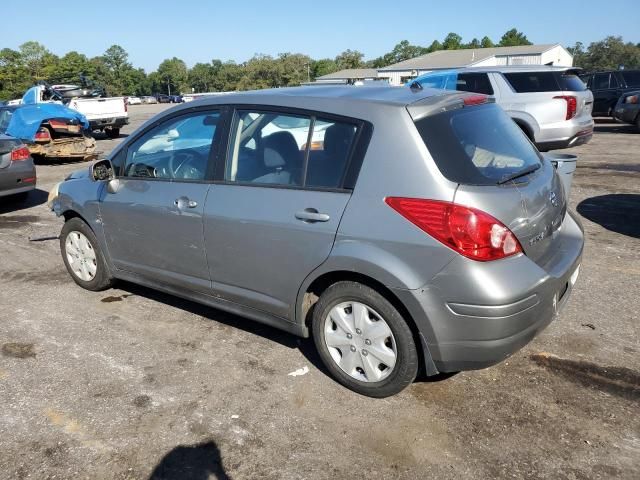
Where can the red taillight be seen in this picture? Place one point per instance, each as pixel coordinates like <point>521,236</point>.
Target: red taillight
<point>475,100</point>
<point>631,99</point>
<point>19,154</point>
<point>572,105</point>
<point>57,124</point>
<point>470,232</point>
<point>42,135</point>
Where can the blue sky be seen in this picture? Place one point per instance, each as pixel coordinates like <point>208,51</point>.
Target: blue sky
<point>200,30</point>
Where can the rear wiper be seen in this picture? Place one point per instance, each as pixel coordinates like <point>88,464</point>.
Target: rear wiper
<point>519,174</point>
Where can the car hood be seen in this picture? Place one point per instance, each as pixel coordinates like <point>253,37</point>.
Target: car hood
<point>27,119</point>
<point>78,174</point>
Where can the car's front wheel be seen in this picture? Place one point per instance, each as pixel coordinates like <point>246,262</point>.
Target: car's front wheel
<point>363,340</point>
<point>82,256</point>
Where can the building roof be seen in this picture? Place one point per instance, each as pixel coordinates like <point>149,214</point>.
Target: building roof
<point>464,57</point>
<point>350,73</point>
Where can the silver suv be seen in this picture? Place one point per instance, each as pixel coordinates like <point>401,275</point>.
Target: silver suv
<point>403,230</point>
<point>551,104</point>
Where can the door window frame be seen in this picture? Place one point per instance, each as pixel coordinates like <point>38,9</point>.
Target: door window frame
<point>119,156</point>
<point>364,131</point>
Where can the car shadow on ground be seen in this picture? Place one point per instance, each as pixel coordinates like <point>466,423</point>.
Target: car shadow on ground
<point>104,136</point>
<point>609,125</point>
<point>16,203</point>
<point>59,160</point>
<point>618,212</point>
<point>195,462</point>
<point>306,346</point>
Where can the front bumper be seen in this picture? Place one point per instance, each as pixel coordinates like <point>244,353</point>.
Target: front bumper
<point>476,314</point>
<point>628,113</point>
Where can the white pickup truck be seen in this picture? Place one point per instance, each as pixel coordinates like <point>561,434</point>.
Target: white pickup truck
<point>105,114</point>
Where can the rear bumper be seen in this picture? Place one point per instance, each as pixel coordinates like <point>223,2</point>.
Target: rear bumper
<point>73,147</point>
<point>101,123</point>
<point>627,114</point>
<point>17,178</point>
<point>579,138</point>
<point>476,314</point>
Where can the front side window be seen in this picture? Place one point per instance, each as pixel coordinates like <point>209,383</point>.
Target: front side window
<point>601,81</point>
<point>269,148</point>
<point>177,149</point>
<point>631,77</point>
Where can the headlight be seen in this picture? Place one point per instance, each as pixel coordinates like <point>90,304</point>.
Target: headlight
<point>53,194</point>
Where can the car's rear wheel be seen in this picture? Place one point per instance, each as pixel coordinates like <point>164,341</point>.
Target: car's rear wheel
<point>112,132</point>
<point>363,340</point>
<point>82,256</point>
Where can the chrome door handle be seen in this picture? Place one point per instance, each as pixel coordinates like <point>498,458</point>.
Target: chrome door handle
<point>311,215</point>
<point>184,202</point>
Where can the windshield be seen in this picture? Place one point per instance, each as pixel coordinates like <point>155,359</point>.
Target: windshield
<point>478,145</point>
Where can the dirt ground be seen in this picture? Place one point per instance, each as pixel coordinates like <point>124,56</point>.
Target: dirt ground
<point>133,384</point>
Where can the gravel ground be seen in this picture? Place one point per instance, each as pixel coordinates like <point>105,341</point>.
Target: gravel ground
<point>133,384</point>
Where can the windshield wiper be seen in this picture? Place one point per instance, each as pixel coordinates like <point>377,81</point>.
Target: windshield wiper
<point>519,174</point>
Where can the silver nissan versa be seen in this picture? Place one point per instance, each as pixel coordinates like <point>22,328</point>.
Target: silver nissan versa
<point>404,230</point>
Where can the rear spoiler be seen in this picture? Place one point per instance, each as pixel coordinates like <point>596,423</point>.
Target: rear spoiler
<point>449,100</point>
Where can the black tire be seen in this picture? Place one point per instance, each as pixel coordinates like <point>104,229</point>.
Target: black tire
<point>102,279</point>
<point>407,362</point>
<point>112,132</point>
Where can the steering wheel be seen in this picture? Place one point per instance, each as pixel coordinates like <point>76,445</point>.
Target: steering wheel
<point>183,158</point>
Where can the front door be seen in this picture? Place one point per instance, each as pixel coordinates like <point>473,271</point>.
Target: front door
<point>273,218</point>
<point>153,221</point>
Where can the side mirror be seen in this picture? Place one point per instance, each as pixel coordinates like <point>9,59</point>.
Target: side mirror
<point>101,171</point>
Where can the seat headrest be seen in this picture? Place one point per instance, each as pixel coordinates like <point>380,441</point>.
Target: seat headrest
<point>338,138</point>
<point>280,149</point>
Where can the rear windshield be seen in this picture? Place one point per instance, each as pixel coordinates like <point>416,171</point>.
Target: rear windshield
<point>527,82</point>
<point>477,145</point>
<point>632,78</point>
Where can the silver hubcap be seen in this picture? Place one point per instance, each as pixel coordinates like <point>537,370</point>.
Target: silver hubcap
<point>81,256</point>
<point>360,341</point>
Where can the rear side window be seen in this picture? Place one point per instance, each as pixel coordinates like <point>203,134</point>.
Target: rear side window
<point>289,150</point>
<point>478,145</point>
<point>527,82</point>
<point>601,81</point>
<point>571,83</point>
<point>631,78</point>
<point>474,82</point>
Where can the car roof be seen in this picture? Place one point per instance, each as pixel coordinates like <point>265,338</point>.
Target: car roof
<point>311,96</point>
<point>520,69</point>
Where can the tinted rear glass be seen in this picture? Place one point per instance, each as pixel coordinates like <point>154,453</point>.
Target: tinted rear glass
<point>632,78</point>
<point>478,145</point>
<point>525,82</point>
<point>571,83</point>
<point>474,82</point>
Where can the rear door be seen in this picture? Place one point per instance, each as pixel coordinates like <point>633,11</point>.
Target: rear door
<point>272,216</point>
<point>153,222</point>
<point>605,93</point>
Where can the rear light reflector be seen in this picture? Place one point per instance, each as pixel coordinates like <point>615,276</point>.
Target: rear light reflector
<point>43,135</point>
<point>469,231</point>
<point>19,154</point>
<point>29,180</point>
<point>57,124</point>
<point>475,100</point>
<point>572,105</point>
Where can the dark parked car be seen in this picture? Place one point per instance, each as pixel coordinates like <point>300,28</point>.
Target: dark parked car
<point>175,98</point>
<point>401,229</point>
<point>163,98</point>
<point>608,87</point>
<point>627,109</point>
<point>17,172</point>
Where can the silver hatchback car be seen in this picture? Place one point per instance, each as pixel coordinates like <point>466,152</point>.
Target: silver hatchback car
<point>404,230</point>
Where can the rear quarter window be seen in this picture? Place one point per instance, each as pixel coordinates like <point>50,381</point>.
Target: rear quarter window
<point>477,145</point>
<point>631,78</point>
<point>474,82</point>
<point>527,82</point>
<point>571,83</point>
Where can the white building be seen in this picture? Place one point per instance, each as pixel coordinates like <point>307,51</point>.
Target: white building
<point>400,73</point>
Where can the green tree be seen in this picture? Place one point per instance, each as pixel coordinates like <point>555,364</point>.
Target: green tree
<point>349,59</point>
<point>35,58</point>
<point>322,67</point>
<point>435,46</point>
<point>453,41</point>
<point>201,77</point>
<point>474,43</point>
<point>486,42</point>
<point>69,68</point>
<point>514,38</point>
<point>117,71</point>
<point>610,53</point>
<point>14,79</point>
<point>173,73</point>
